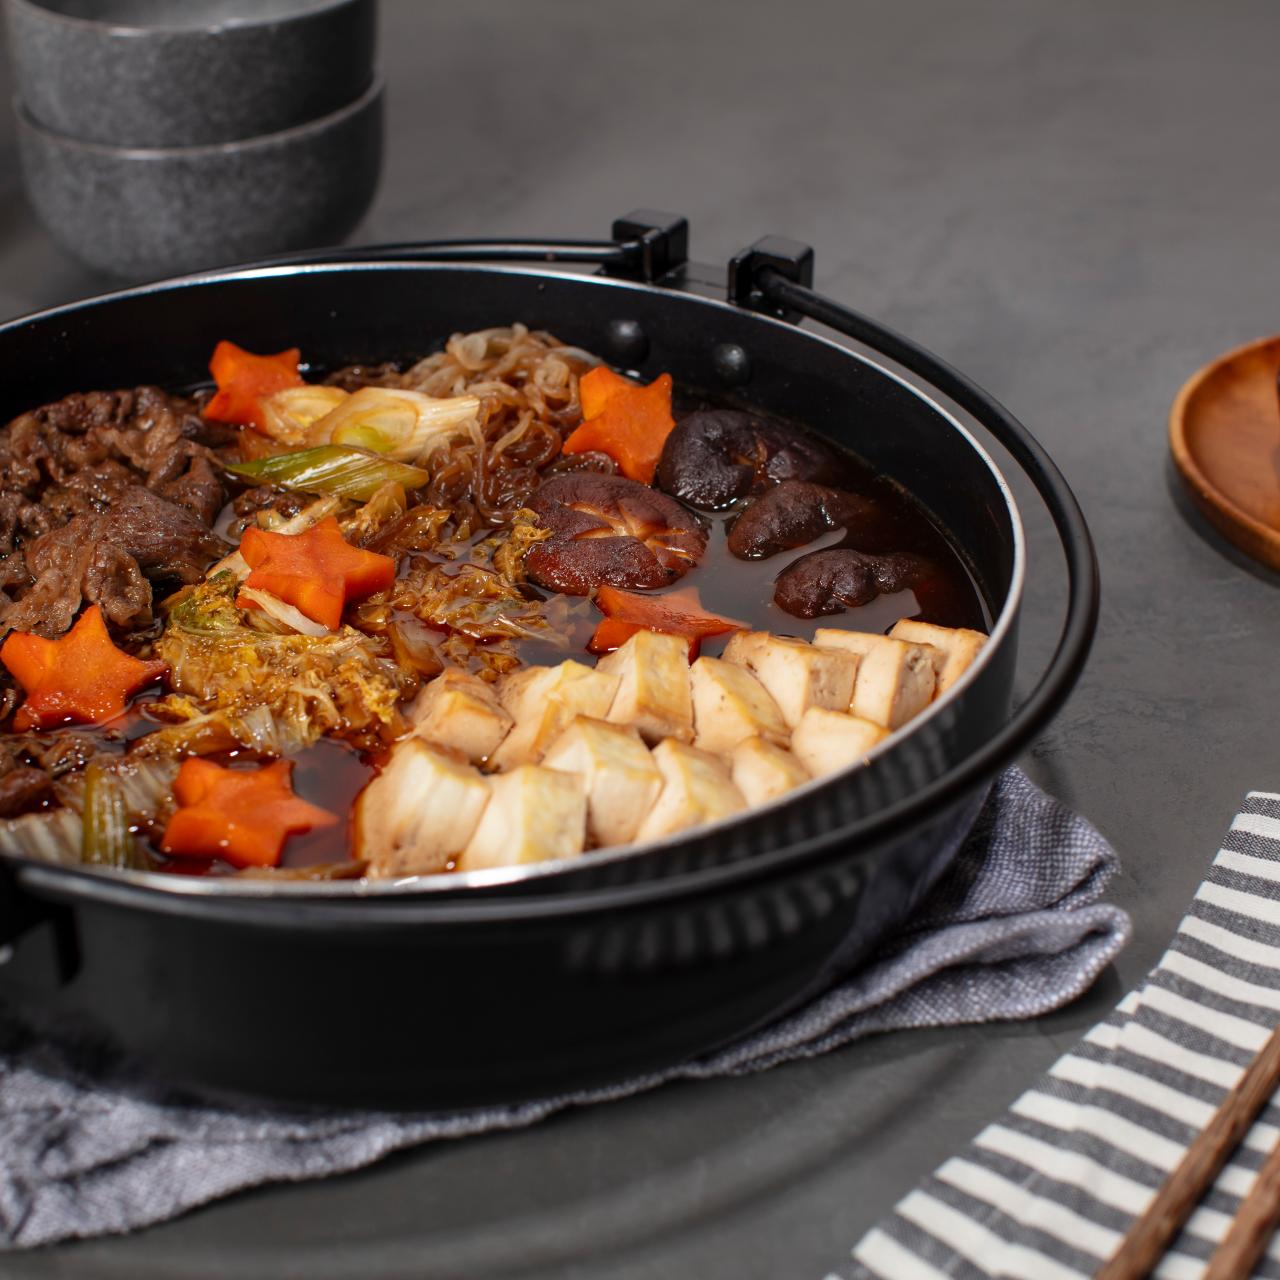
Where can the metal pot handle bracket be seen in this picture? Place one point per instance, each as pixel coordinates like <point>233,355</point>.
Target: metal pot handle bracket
<point>646,245</point>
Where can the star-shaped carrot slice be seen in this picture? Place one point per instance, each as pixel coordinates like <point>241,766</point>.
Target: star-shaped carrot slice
<point>317,571</point>
<point>245,380</point>
<point>628,422</point>
<point>677,613</point>
<point>80,677</point>
<point>242,816</point>
<point>596,386</point>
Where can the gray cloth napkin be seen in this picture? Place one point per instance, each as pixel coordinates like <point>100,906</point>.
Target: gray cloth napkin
<point>1013,930</point>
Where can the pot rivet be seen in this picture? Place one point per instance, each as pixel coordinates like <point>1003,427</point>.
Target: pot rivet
<point>731,363</point>
<point>627,342</point>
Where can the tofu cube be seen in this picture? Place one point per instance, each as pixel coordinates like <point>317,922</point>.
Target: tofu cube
<point>511,690</point>
<point>615,766</point>
<point>461,711</point>
<point>955,647</point>
<point>543,700</point>
<point>796,675</point>
<point>762,770</point>
<point>653,690</point>
<point>533,815</point>
<point>895,679</point>
<point>730,704</point>
<point>696,788</point>
<point>828,741</point>
<point>419,813</point>
<point>528,688</point>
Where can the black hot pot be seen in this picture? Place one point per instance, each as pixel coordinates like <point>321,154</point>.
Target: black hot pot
<point>438,992</point>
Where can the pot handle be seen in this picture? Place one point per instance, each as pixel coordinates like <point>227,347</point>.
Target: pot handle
<point>769,288</point>
<point>647,244</point>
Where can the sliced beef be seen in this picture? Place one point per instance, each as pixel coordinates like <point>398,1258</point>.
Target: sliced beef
<point>23,788</point>
<point>20,519</point>
<point>102,482</point>
<point>24,455</point>
<point>64,504</point>
<point>59,753</point>
<point>165,538</point>
<point>101,496</point>
<point>111,558</point>
<point>114,579</point>
<point>268,498</point>
<point>74,415</point>
<point>154,435</point>
<point>56,562</point>
<point>13,571</point>
<point>33,766</point>
<point>198,488</point>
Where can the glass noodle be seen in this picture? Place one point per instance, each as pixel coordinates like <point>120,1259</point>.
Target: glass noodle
<point>527,384</point>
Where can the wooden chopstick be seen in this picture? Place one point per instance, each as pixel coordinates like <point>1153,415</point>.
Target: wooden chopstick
<point>1184,1188</point>
<point>1252,1227</point>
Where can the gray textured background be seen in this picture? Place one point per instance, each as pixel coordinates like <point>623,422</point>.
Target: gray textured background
<point>1076,203</point>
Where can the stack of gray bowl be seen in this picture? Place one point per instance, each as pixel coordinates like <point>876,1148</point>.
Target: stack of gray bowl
<point>163,136</point>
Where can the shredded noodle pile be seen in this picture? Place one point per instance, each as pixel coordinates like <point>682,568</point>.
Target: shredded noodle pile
<point>527,384</point>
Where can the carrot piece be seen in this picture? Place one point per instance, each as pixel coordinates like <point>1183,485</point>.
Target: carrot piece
<point>595,388</point>
<point>243,816</point>
<point>245,379</point>
<point>317,571</point>
<point>632,424</point>
<point>610,634</point>
<point>80,677</point>
<point>677,613</point>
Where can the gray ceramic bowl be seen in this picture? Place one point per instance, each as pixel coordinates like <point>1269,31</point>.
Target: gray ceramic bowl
<point>143,213</point>
<point>179,73</point>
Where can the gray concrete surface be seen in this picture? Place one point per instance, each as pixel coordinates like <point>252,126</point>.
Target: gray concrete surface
<point>1076,203</point>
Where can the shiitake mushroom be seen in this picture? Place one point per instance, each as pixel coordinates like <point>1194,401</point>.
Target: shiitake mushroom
<point>841,578</point>
<point>793,513</point>
<point>715,456</point>
<point>608,529</point>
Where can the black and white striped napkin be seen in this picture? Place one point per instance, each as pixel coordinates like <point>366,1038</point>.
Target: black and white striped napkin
<point>1048,1191</point>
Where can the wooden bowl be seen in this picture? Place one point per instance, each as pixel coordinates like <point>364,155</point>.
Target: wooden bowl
<point>1224,432</point>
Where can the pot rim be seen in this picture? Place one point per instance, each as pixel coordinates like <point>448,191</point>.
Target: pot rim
<point>455,884</point>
